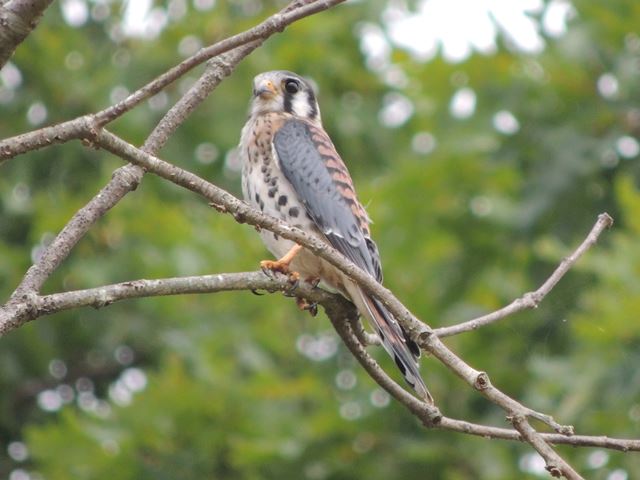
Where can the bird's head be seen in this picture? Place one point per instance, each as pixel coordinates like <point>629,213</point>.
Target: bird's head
<point>282,91</point>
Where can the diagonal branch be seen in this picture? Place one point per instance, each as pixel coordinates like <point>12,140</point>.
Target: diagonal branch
<point>70,130</point>
<point>533,299</point>
<point>217,70</point>
<point>243,213</point>
<point>18,18</point>
<point>275,23</point>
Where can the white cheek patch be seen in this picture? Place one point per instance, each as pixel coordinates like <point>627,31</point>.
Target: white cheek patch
<point>300,105</point>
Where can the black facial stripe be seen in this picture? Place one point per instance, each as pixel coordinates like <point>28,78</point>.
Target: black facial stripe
<point>288,100</point>
<point>311,98</point>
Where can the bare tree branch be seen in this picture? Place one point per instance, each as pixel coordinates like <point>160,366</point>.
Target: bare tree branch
<point>217,70</point>
<point>127,178</point>
<point>26,303</point>
<point>18,18</point>
<point>555,464</point>
<point>106,295</point>
<point>461,426</point>
<point>339,310</point>
<point>426,338</point>
<point>533,299</point>
<point>243,213</point>
<point>43,137</point>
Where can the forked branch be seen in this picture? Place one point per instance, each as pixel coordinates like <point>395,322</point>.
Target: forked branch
<point>27,304</point>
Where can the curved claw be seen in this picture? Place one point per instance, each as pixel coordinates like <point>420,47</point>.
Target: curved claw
<point>312,309</point>
<point>267,271</point>
<point>294,282</point>
<point>256,292</point>
<point>304,305</point>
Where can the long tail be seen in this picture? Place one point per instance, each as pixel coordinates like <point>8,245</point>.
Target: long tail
<point>404,351</point>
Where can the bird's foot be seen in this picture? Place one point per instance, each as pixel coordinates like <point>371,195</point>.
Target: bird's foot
<point>282,265</point>
<point>269,267</point>
<point>294,281</point>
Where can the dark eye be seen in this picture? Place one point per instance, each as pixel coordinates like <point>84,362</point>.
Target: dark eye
<point>292,86</point>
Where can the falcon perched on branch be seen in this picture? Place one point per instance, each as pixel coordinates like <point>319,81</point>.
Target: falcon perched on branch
<point>291,170</point>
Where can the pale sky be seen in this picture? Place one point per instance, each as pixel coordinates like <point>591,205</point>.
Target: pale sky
<point>454,28</point>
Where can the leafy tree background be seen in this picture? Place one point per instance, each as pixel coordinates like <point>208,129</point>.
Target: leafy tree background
<point>471,210</point>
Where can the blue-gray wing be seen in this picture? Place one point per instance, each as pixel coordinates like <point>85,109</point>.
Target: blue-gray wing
<point>309,161</point>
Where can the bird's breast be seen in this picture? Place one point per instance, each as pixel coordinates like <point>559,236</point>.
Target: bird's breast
<point>264,185</point>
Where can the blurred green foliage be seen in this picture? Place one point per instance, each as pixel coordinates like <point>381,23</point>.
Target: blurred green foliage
<point>469,213</point>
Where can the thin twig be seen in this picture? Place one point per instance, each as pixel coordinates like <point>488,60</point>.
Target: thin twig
<point>533,299</point>
<point>621,444</point>
<point>364,337</point>
<point>428,414</point>
<point>555,464</point>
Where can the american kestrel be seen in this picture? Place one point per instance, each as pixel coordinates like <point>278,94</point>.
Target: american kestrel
<point>291,170</point>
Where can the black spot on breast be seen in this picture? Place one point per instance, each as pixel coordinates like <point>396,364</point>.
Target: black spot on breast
<point>275,237</point>
<point>273,181</point>
<point>282,200</point>
<point>272,192</point>
<point>294,211</point>
<point>257,197</point>
<point>264,169</point>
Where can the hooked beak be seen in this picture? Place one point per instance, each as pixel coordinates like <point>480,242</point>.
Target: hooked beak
<point>264,89</point>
